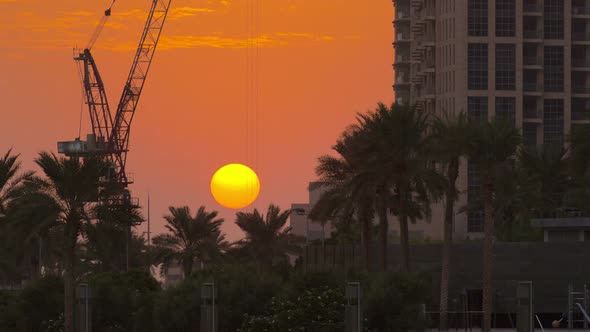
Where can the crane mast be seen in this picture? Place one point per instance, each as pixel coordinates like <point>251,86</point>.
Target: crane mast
<point>110,134</point>
<point>134,85</point>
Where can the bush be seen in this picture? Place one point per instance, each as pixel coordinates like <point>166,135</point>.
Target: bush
<point>318,309</point>
<point>34,308</point>
<point>394,301</point>
<point>241,290</point>
<point>121,300</point>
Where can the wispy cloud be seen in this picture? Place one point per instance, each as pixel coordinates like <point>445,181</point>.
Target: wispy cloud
<point>220,41</point>
<point>183,12</point>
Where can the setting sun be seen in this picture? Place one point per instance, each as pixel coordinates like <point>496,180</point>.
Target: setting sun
<point>235,186</point>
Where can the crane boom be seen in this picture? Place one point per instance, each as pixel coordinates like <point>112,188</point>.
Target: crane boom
<point>135,82</point>
<point>96,97</point>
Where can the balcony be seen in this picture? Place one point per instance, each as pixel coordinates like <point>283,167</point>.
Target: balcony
<point>580,114</point>
<point>580,88</point>
<point>532,87</point>
<point>402,60</point>
<point>581,11</point>
<point>429,14</point>
<point>581,36</point>
<point>401,79</point>
<point>402,15</point>
<point>535,61</point>
<point>532,9</point>
<point>428,92</point>
<point>401,37</point>
<point>581,63</point>
<point>418,4</point>
<point>533,34</point>
<point>533,113</point>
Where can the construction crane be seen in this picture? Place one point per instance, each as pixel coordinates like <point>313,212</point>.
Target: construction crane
<point>110,133</point>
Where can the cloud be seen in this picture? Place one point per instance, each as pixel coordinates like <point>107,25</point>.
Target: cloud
<point>304,35</point>
<point>184,42</point>
<point>219,41</point>
<point>183,12</point>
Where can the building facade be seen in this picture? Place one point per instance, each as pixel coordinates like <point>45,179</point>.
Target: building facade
<point>527,61</point>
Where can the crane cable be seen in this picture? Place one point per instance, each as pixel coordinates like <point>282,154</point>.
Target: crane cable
<point>253,12</point>
<point>100,26</point>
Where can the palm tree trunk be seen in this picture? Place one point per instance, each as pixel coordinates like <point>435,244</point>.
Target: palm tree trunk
<point>187,267</point>
<point>384,233</point>
<point>488,252</point>
<point>452,174</point>
<point>365,229</point>
<point>404,243</point>
<point>69,281</point>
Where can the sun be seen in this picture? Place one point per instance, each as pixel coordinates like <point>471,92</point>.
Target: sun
<point>235,186</point>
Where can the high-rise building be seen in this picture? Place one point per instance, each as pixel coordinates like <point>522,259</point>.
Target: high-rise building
<point>525,60</point>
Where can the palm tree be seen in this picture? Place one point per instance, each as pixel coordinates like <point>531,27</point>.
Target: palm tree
<point>349,192</point>
<point>491,145</point>
<point>395,149</point>
<point>191,238</point>
<point>110,243</point>
<point>65,197</point>
<point>9,184</point>
<point>267,239</point>
<point>450,133</point>
<point>546,171</point>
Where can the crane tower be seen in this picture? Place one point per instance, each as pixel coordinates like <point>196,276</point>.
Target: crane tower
<point>110,132</point>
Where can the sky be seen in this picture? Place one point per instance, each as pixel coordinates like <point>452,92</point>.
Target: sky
<point>267,83</point>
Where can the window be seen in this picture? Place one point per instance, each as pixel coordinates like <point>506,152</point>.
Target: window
<point>553,68</point>
<point>505,18</point>
<point>477,20</point>
<point>505,67</point>
<point>529,134</point>
<point>478,66</point>
<point>477,108</point>
<point>553,19</point>
<point>475,217</point>
<point>553,121</point>
<point>506,109</point>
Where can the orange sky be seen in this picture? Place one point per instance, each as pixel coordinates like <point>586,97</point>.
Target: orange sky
<point>317,64</point>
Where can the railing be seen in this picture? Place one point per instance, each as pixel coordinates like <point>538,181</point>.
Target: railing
<point>533,61</point>
<point>401,58</point>
<point>399,15</point>
<point>401,36</point>
<point>533,34</point>
<point>401,79</point>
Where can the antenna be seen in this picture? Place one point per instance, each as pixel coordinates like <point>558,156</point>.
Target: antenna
<point>148,220</point>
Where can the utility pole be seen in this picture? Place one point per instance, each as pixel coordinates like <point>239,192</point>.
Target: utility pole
<point>148,221</point>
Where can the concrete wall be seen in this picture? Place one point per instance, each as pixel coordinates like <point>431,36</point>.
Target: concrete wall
<point>551,267</point>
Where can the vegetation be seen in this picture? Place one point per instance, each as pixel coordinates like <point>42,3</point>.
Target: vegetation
<point>193,239</point>
<point>394,162</point>
<point>451,137</point>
